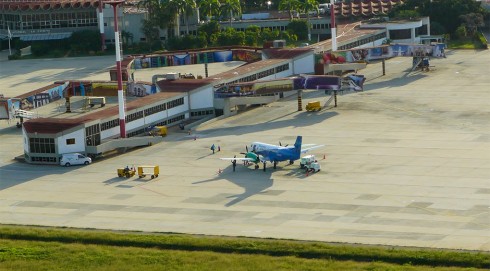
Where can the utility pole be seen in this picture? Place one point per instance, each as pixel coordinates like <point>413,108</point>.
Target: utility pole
<point>333,28</point>
<point>101,25</point>
<point>120,93</point>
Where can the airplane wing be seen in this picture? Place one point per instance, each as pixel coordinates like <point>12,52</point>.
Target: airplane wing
<point>312,148</point>
<point>238,159</point>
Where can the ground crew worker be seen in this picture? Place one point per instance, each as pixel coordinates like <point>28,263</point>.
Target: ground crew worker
<point>212,148</point>
<point>234,163</point>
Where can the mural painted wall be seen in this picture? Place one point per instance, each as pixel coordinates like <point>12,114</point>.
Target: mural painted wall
<point>194,58</point>
<point>381,52</point>
<point>45,97</point>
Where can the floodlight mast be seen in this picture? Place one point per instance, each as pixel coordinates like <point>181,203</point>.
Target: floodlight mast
<point>333,28</point>
<point>120,93</point>
<point>101,26</point>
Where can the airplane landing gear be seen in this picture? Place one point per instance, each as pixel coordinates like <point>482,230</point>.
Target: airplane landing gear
<point>264,166</point>
<point>275,164</point>
<point>256,166</point>
<point>291,162</point>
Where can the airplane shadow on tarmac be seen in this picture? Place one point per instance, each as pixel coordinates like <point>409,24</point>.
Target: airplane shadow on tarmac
<point>19,172</point>
<point>252,181</point>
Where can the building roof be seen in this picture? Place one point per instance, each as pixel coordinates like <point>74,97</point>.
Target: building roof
<point>183,85</point>
<point>23,5</point>
<point>285,53</point>
<point>60,123</point>
<point>49,125</point>
<point>169,88</point>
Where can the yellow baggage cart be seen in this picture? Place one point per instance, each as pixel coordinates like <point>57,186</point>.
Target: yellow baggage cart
<point>147,170</point>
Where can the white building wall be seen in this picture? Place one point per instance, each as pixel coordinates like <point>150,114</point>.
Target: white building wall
<point>79,145</point>
<point>283,74</point>
<point>203,98</point>
<point>26,140</point>
<point>156,117</point>
<point>109,133</point>
<point>177,110</point>
<point>304,65</point>
<point>135,124</point>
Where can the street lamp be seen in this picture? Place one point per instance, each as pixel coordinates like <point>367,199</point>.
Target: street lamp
<point>120,93</point>
<point>269,3</point>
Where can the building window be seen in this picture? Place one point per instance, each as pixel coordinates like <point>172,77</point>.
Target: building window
<point>41,145</point>
<point>175,103</point>
<point>44,159</point>
<point>92,135</point>
<point>401,34</point>
<point>70,141</point>
<point>109,124</point>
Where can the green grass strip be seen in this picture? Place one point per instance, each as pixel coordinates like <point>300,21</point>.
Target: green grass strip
<point>270,247</point>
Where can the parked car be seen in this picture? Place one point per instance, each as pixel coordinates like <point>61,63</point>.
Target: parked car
<point>68,159</point>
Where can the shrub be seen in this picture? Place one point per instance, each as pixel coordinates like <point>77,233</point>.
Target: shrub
<point>481,41</point>
<point>15,55</point>
<point>300,28</point>
<point>85,41</point>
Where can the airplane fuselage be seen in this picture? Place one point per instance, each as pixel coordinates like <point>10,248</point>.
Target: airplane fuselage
<point>274,153</point>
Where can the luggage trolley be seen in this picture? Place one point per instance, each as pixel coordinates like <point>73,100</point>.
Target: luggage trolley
<point>147,170</point>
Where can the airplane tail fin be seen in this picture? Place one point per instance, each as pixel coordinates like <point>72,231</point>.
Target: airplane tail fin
<point>297,144</point>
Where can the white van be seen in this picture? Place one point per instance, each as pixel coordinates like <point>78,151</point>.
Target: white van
<point>324,8</point>
<point>68,159</point>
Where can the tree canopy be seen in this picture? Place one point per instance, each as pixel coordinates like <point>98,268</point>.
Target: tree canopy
<point>444,12</point>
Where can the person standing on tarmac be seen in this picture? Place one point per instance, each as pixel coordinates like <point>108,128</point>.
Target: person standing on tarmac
<point>212,148</point>
<point>234,163</point>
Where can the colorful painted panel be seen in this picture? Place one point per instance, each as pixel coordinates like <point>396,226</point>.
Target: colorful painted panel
<point>183,59</point>
<point>223,56</point>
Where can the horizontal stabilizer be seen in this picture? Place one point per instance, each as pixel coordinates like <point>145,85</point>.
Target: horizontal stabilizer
<point>238,159</point>
<point>311,148</point>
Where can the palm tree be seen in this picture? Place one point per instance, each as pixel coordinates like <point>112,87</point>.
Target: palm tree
<point>172,10</point>
<point>290,6</point>
<point>306,6</point>
<point>209,8</point>
<point>153,22</point>
<point>230,7</point>
<point>187,9</point>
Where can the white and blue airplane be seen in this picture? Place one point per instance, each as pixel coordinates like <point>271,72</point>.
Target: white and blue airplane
<point>263,153</point>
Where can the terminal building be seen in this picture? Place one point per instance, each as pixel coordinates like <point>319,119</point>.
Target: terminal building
<point>172,102</point>
<point>175,101</point>
<point>31,20</point>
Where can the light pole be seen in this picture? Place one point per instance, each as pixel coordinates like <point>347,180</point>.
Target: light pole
<point>120,93</point>
<point>269,3</point>
<point>333,29</point>
<point>9,37</point>
<point>101,25</point>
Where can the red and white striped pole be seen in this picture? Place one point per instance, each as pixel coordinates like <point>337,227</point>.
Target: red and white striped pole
<point>333,28</point>
<point>120,93</point>
<point>101,25</point>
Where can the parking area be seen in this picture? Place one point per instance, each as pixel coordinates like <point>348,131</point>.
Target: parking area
<point>406,163</point>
